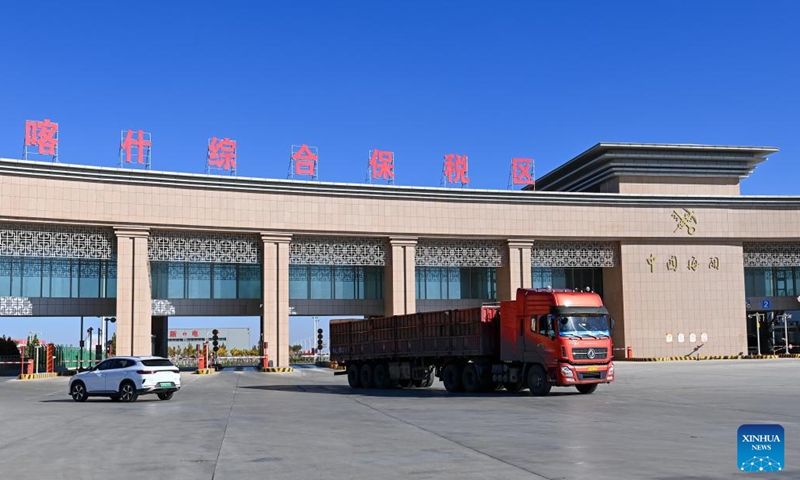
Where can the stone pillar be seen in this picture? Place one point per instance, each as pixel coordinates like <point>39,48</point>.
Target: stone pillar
<point>133,293</point>
<point>400,277</point>
<point>517,273</point>
<point>275,296</point>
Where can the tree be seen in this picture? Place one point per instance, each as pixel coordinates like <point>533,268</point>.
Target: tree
<point>8,347</point>
<point>295,348</point>
<point>30,349</point>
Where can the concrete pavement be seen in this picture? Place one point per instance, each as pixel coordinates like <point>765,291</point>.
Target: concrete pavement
<point>663,421</point>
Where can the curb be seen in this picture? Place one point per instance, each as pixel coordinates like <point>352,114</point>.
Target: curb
<point>204,371</point>
<point>709,357</point>
<point>38,376</point>
<point>277,370</point>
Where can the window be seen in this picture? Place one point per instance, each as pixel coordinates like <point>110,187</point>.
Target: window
<point>335,282</point>
<point>57,277</point>
<point>453,283</point>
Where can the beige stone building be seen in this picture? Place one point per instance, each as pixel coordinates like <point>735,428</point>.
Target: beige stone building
<point>682,260</point>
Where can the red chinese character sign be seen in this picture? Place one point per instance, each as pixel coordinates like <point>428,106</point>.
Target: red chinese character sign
<point>380,166</point>
<point>135,147</point>
<point>455,170</point>
<point>41,138</point>
<point>521,172</point>
<point>221,155</point>
<point>304,160</point>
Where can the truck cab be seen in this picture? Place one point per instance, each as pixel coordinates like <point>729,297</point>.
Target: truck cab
<point>557,338</point>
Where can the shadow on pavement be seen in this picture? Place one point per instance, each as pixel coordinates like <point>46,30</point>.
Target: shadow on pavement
<point>395,392</point>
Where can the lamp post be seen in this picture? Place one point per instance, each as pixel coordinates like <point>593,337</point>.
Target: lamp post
<point>89,331</point>
<point>757,316</point>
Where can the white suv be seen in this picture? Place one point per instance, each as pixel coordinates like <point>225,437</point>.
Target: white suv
<point>125,378</point>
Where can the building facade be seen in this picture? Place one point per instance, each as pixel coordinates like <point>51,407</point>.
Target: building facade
<point>661,231</point>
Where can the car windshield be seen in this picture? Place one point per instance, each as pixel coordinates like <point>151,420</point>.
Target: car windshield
<point>157,362</point>
<point>583,325</point>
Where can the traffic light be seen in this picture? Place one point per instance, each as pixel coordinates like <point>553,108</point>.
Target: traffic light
<point>319,339</point>
<point>215,339</point>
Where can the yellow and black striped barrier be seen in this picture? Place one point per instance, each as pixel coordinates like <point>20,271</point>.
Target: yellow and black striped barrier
<point>711,357</point>
<point>204,371</point>
<point>38,376</point>
<point>277,369</point>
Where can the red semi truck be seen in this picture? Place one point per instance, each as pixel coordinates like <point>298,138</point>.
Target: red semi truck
<point>541,339</point>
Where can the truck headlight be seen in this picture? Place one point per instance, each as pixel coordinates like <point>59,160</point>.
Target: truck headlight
<point>610,370</point>
<point>566,371</point>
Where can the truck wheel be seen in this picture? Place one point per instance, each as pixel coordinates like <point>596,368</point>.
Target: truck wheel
<point>381,376</point>
<point>469,378</point>
<point>537,381</point>
<point>353,376</point>
<point>366,376</point>
<point>452,377</point>
<point>587,389</point>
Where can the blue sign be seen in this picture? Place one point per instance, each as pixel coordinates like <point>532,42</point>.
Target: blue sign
<point>765,304</point>
<point>760,448</point>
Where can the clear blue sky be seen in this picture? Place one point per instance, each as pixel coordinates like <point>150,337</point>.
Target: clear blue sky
<point>491,80</point>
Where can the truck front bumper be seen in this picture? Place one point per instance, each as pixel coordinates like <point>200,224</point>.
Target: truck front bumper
<point>569,374</point>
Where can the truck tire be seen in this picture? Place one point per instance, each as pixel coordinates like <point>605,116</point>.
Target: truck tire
<point>537,381</point>
<point>354,375</point>
<point>451,377</point>
<point>380,376</point>
<point>587,389</point>
<point>470,379</point>
<point>366,376</point>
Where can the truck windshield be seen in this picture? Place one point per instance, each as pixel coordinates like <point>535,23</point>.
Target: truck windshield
<point>583,325</point>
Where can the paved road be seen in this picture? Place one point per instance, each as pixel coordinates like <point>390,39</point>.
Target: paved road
<point>659,421</point>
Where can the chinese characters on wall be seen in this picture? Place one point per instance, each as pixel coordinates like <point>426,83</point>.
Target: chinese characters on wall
<point>673,263</point>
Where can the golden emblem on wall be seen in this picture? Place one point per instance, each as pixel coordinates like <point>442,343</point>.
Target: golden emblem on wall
<point>714,263</point>
<point>687,220</point>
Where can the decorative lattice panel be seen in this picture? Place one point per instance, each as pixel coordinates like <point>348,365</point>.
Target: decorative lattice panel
<point>771,254</point>
<point>461,253</point>
<point>337,251</point>
<point>200,247</point>
<point>574,254</point>
<point>162,308</point>
<point>54,241</point>
<point>15,307</point>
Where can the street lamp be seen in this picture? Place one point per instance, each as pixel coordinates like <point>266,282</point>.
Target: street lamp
<point>757,316</point>
<point>89,331</point>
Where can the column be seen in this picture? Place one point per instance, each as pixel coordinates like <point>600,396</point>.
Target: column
<point>517,272</point>
<point>400,277</point>
<point>133,292</point>
<point>275,285</point>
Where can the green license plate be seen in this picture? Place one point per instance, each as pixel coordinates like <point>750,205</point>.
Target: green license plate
<point>166,384</point>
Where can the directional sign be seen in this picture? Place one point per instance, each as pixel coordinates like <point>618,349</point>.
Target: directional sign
<point>765,304</point>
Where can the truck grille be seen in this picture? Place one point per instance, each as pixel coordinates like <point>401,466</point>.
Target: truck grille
<point>583,353</point>
<point>592,375</point>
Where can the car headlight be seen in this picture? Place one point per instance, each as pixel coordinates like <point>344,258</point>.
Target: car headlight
<point>566,371</point>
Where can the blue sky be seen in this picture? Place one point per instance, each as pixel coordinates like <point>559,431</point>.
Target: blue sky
<point>491,80</point>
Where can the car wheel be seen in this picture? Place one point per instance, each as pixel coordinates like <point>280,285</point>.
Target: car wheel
<point>78,392</point>
<point>127,392</point>
<point>165,395</point>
